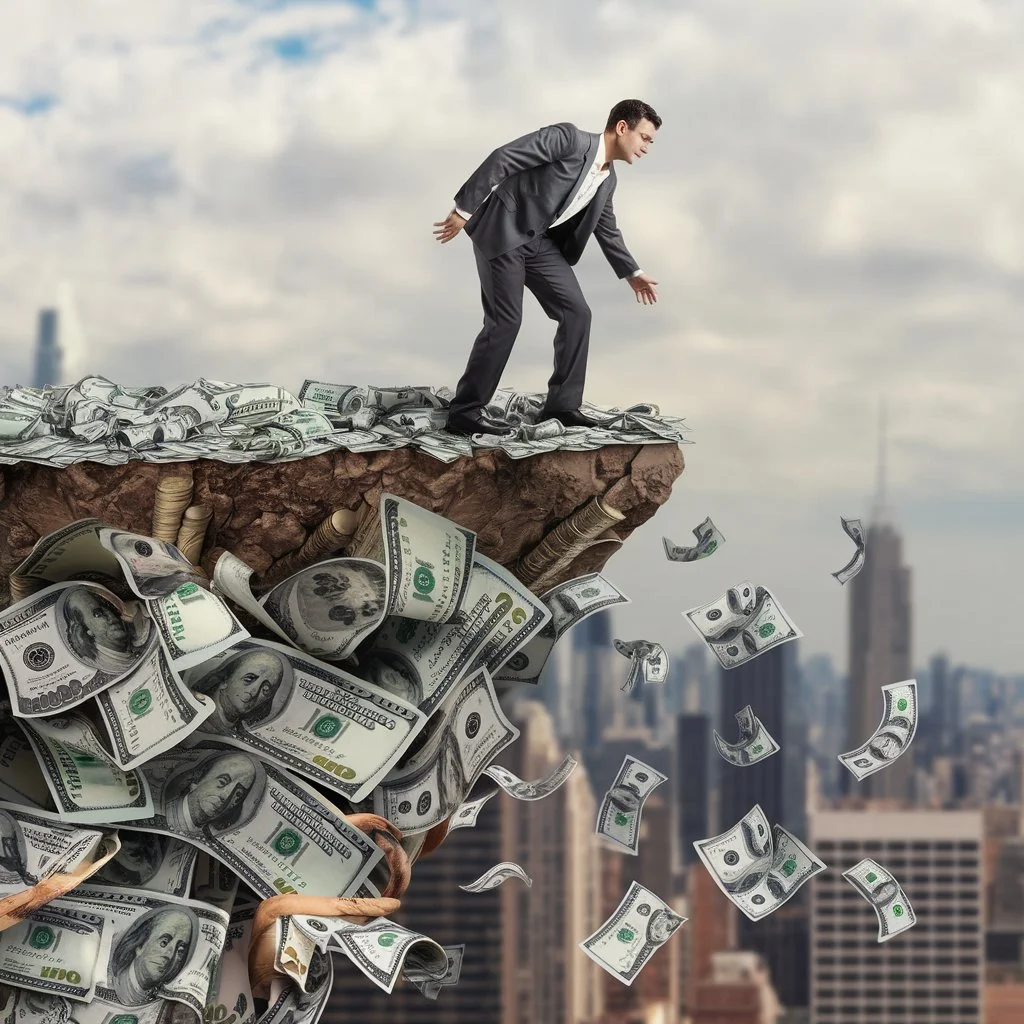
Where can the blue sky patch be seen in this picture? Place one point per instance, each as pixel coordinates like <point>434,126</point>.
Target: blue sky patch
<point>30,106</point>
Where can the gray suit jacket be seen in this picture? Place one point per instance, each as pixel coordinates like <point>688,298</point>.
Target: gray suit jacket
<point>537,176</point>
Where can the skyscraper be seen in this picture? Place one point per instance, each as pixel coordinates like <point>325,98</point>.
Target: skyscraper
<point>932,972</point>
<point>880,641</point>
<point>690,779</point>
<point>48,353</point>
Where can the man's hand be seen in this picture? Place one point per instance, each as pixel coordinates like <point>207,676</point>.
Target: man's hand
<point>448,228</point>
<point>644,288</point>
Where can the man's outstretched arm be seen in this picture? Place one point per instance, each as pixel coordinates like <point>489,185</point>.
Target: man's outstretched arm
<point>609,237</point>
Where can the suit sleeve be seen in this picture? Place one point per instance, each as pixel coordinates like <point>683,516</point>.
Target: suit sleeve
<point>609,237</point>
<point>544,146</point>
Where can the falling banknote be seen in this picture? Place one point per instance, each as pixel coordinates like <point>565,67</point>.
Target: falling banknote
<point>853,530</point>
<point>885,894</point>
<point>618,819</point>
<point>709,540</point>
<point>493,877</point>
<point>741,624</point>
<point>894,732</point>
<point>757,868</point>
<point>647,659</point>
<point>755,742</point>
<point>521,790</point>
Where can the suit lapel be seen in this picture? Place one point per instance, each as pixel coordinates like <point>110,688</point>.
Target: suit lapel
<point>587,163</point>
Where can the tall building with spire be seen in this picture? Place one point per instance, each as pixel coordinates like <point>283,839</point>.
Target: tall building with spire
<point>48,367</point>
<point>880,639</point>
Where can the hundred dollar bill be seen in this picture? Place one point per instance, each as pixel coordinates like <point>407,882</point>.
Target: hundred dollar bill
<point>379,949</point>
<point>306,716</point>
<point>756,868</point>
<point>149,711</point>
<point>853,529</point>
<point>422,661</point>
<point>66,643</point>
<point>59,949</point>
<point>145,861</point>
<point>465,734</point>
<point>744,622</point>
<point>641,924</point>
<point>230,1000</point>
<point>162,947</point>
<point>466,814</point>
<point>153,568</point>
<point>516,787</point>
<point>618,818</point>
<point>647,659</point>
<point>418,972</point>
<point>73,552</point>
<point>37,846</point>
<point>885,894</point>
<point>893,735</point>
<point>328,609</point>
<point>289,1004</point>
<point>194,625</point>
<point>569,603</point>
<point>84,781</point>
<point>709,540</point>
<point>429,561</point>
<point>494,876</point>
<point>755,744</point>
<point>273,830</point>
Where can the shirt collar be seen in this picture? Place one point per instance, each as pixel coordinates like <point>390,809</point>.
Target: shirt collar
<point>599,160</point>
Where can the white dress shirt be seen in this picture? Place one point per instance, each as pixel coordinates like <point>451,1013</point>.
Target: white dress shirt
<point>587,191</point>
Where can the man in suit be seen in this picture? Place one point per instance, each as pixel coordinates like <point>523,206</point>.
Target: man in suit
<point>529,210</point>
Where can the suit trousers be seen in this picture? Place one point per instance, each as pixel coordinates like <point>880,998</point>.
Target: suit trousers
<point>540,266</point>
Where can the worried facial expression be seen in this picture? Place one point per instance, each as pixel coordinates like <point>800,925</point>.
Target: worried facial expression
<point>157,957</point>
<point>633,143</point>
<point>253,681</point>
<point>224,785</point>
<point>102,620</point>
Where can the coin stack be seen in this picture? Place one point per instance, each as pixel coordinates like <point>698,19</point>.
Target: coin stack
<point>330,536</point>
<point>173,496</point>
<point>567,540</point>
<point>193,531</point>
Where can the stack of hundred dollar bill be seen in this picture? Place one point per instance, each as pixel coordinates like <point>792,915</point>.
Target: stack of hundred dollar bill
<point>100,421</point>
<point>163,770</point>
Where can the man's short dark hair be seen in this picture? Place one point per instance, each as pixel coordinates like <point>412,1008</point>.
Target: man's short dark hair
<point>632,112</point>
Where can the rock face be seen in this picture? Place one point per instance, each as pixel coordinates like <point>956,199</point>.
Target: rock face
<point>264,512</point>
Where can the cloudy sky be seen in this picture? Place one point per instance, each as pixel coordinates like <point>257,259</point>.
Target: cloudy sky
<point>245,191</point>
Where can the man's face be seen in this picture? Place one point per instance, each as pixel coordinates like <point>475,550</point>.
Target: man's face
<point>148,560</point>
<point>225,784</point>
<point>634,142</point>
<point>167,942</point>
<point>254,679</point>
<point>101,618</point>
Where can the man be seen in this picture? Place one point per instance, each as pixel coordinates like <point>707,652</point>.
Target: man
<point>551,190</point>
<point>153,951</point>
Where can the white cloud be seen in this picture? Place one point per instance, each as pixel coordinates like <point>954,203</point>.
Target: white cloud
<point>830,209</point>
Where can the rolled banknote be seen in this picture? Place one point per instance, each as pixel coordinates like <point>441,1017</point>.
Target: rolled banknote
<point>569,603</point>
<point>306,716</point>
<point>161,947</point>
<point>328,609</point>
<point>649,661</point>
<point>274,831</point>
<point>85,782</point>
<point>545,786</point>
<point>893,735</point>
<point>618,818</point>
<point>755,743</point>
<point>416,971</point>
<point>709,540</point>
<point>853,529</point>
<point>194,625</point>
<point>153,568</point>
<point>72,552</point>
<point>885,894</point>
<point>641,924</point>
<point>494,876</point>
<point>465,734</point>
<point>756,868</point>
<point>466,813</point>
<point>422,661</point>
<point>429,561</point>
<point>159,863</point>
<point>150,710</point>
<point>744,622</point>
<point>67,643</point>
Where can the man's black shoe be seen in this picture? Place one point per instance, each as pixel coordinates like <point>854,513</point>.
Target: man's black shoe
<point>568,418</point>
<point>476,423</point>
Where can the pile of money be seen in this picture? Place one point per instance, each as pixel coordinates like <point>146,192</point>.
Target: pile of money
<point>96,420</point>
